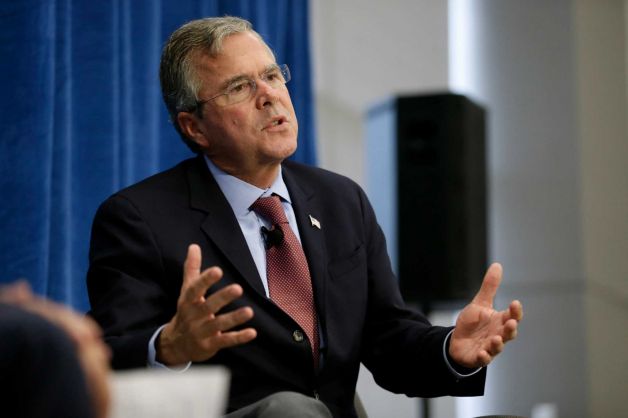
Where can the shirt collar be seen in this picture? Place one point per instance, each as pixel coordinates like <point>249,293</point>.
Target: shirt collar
<point>240,194</point>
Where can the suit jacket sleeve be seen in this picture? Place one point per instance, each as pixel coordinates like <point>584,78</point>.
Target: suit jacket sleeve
<point>125,263</point>
<point>401,348</point>
<point>363,314</point>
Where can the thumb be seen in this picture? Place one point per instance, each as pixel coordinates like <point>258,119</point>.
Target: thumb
<point>490,284</point>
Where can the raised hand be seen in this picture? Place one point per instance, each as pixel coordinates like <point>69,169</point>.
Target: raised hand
<point>197,332</point>
<point>481,332</point>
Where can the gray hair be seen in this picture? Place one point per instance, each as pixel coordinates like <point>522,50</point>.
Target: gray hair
<point>179,84</point>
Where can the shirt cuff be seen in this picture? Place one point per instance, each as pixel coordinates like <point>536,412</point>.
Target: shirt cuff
<point>152,355</point>
<point>458,371</point>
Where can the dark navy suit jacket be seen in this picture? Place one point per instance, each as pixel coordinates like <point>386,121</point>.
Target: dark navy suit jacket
<point>139,241</point>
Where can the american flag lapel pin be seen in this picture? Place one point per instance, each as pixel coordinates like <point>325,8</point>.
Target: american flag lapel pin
<point>315,222</point>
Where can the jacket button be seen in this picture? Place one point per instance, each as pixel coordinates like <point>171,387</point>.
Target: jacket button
<point>297,336</point>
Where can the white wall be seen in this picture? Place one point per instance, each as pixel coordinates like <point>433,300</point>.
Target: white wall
<point>523,64</point>
<point>553,77</point>
<point>365,50</point>
<point>602,115</point>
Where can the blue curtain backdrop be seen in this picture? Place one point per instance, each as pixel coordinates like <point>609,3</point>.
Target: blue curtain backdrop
<point>81,116</point>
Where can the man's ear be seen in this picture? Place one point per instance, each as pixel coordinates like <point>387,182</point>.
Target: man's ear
<point>190,127</point>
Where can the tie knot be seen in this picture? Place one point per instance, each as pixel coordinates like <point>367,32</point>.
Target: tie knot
<point>271,209</point>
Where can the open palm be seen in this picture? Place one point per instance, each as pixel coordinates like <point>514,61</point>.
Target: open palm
<point>481,332</point>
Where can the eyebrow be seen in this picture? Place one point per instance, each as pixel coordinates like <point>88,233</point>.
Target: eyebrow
<point>233,80</point>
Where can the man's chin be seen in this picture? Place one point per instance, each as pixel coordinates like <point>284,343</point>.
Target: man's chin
<point>286,151</point>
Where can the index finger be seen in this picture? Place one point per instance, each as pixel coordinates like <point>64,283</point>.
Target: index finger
<point>490,284</point>
<point>192,264</point>
<point>195,282</point>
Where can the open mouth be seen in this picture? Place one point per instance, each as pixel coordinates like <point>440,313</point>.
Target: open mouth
<point>276,122</point>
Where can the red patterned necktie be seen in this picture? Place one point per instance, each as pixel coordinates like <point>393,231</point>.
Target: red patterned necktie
<point>289,281</point>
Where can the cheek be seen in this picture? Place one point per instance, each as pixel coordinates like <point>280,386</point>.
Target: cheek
<point>239,120</point>
<point>287,103</point>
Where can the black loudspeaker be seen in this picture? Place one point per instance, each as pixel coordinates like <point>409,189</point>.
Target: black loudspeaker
<point>440,179</point>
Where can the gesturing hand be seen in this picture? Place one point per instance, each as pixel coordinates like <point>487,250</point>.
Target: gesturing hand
<point>197,331</point>
<point>481,332</point>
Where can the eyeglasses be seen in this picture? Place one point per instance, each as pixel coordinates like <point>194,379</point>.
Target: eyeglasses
<point>243,88</point>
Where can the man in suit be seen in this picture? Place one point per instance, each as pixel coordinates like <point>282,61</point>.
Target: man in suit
<point>202,220</point>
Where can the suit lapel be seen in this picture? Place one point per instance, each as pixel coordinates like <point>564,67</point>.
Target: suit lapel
<point>221,225</point>
<point>306,204</point>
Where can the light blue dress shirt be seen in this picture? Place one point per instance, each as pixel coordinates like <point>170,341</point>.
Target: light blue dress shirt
<point>241,195</point>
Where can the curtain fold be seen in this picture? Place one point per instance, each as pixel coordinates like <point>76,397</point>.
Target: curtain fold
<point>82,116</point>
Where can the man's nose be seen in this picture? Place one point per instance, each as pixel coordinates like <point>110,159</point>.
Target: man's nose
<point>265,93</point>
